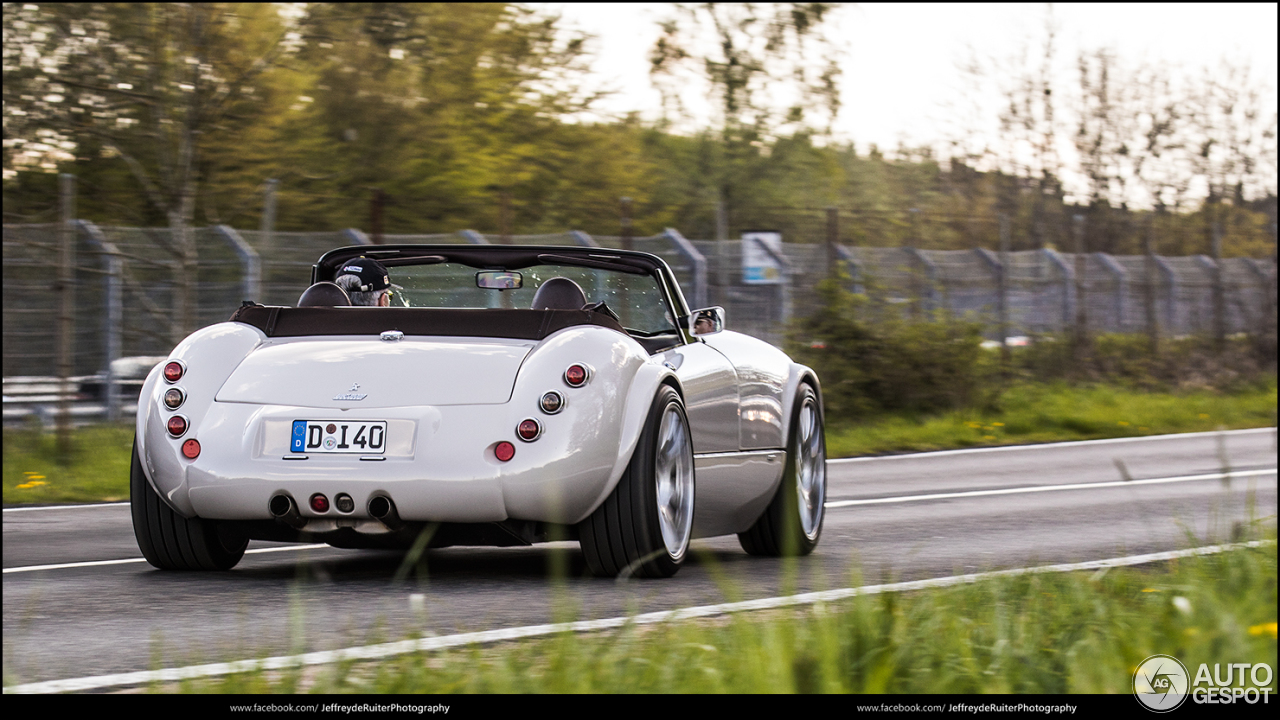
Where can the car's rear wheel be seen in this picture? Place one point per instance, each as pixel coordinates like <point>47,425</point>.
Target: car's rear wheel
<point>643,528</point>
<point>172,542</point>
<point>792,523</point>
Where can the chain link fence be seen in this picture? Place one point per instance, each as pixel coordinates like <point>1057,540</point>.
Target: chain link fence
<point>126,286</point>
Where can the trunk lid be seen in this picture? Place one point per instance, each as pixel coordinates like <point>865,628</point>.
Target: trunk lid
<point>372,373</point>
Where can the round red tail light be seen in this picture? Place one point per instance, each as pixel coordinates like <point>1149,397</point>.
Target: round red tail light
<point>191,449</point>
<point>529,430</point>
<point>177,425</point>
<point>173,371</point>
<point>576,375</point>
<point>551,403</point>
<point>504,451</point>
<point>319,503</point>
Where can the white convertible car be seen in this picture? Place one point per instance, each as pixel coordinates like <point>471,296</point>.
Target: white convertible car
<point>510,395</point>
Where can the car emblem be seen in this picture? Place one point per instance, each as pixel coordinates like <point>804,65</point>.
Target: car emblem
<point>351,394</point>
<point>392,335</point>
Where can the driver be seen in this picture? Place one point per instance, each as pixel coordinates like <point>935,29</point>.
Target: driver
<point>366,281</point>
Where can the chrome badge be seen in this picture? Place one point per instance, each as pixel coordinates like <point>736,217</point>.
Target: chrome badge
<point>351,394</point>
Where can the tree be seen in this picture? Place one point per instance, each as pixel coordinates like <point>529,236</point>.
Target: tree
<point>147,85</point>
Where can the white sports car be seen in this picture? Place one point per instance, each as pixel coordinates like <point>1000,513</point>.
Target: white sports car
<point>510,395</point>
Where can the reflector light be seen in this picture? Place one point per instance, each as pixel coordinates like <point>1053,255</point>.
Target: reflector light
<point>551,403</point>
<point>504,451</point>
<point>529,430</point>
<point>191,449</point>
<point>173,371</point>
<point>173,398</point>
<point>177,425</point>
<point>576,376</point>
<point>319,503</point>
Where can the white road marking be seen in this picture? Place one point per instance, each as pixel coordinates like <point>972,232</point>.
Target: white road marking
<point>1048,488</point>
<point>384,650</point>
<point>66,507</point>
<point>1044,446</point>
<point>97,563</point>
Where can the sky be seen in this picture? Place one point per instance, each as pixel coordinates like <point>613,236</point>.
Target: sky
<point>900,61</point>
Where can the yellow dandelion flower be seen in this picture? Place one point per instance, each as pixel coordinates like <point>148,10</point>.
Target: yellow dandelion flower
<point>1149,590</point>
<point>1264,629</point>
<point>998,424</point>
<point>1204,416</point>
<point>32,484</point>
<point>1122,423</point>
<point>988,437</point>
<point>974,425</point>
<point>33,476</point>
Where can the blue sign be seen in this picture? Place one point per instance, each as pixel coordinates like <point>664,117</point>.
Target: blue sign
<point>299,440</point>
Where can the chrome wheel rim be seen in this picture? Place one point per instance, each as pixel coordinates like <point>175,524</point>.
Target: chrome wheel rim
<point>811,469</point>
<point>673,471</point>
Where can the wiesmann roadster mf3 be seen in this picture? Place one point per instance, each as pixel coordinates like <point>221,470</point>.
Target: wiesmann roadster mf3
<point>509,395</point>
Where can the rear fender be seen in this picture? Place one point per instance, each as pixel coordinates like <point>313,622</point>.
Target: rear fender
<point>209,355</point>
<point>644,387</point>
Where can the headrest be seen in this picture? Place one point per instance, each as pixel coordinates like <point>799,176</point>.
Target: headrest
<point>324,294</point>
<point>559,293</point>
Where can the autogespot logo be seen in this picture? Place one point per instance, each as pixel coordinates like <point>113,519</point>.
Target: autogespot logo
<point>1161,683</point>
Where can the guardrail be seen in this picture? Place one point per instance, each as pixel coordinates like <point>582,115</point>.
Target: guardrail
<point>36,398</point>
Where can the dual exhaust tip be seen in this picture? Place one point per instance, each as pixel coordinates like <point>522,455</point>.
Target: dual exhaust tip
<point>285,510</point>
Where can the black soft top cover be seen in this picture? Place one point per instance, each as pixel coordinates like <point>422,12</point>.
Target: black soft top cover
<point>516,324</point>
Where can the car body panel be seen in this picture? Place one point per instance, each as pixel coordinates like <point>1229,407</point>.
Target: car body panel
<point>763,371</point>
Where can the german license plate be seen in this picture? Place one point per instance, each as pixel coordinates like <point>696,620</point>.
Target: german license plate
<point>329,436</point>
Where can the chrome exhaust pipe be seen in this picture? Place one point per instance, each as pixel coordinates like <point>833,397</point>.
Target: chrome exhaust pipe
<point>285,510</point>
<point>381,507</point>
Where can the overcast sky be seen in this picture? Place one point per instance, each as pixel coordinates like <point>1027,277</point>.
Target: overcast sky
<point>900,61</point>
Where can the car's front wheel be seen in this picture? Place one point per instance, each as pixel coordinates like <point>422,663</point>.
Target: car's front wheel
<point>172,542</point>
<point>643,528</point>
<point>792,523</point>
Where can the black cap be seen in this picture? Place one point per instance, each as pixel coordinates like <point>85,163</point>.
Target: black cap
<point>373,276</point>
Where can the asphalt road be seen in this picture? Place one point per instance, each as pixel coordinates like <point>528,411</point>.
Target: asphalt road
<point>1000,509</point>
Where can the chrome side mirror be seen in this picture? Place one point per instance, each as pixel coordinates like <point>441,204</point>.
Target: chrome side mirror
<point>707,321</point>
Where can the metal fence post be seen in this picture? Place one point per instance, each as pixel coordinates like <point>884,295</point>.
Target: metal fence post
<point>1219,289</point>
<point>268,225</point>
<point>1211,271</point>
<point>993,263</point>
<point>1149,289</point>
<point>1171,290</point>
<point>1002,285</point>
<point>583,239</point>
<point>1069,299</point>
<point>356,237</point>
<point>1081,334</point>
<point>1122,286</point>
<point>249,260</point>
<point>855,268</point>
<point>696,260</point>
<point>113,305</point>
<point>66,310</point>
<point>927,295</point>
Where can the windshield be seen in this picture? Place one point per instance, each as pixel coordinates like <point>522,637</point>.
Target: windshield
<point>637,299</point>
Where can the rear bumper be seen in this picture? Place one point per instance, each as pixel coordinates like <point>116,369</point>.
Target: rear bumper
<point>438,466</point>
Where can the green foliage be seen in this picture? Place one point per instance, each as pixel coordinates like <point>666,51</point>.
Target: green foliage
<point>98,471</point>
<point>876,362</point>
<point>1082,632</point>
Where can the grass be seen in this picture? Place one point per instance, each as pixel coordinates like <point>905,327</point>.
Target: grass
<point>99,471</point>
<point>1047,413</point>
<point>1082,632</point>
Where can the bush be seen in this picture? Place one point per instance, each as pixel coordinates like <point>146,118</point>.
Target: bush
<point>890,365</point>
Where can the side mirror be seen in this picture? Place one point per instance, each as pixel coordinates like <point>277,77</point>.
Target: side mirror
<point>707,321</point>
<point>499,280</point>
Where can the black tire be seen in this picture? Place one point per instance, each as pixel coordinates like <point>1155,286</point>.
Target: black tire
<point>172,542</point>
<point>780,530</point>
<point>624,536</point>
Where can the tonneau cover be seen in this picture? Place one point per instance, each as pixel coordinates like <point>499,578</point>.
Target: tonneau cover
<point>445,322</point>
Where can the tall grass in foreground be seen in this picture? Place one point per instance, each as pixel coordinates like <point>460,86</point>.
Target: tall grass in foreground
<point>1046,633</point>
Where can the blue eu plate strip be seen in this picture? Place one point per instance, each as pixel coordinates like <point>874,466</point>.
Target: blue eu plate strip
<point>299,437</point>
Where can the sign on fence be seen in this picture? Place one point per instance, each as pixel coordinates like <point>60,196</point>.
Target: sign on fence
<point>758,266</point>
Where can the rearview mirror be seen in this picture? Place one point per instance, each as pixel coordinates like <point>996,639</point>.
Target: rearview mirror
<point>499,280</point>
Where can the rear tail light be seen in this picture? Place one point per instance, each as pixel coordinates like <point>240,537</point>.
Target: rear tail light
<point>504,451</point>
<point>177,425</point>
<point>551,403</point>
<point>529,430</point>
<point>173,398</point>
<point>576,375</point>
<point>319,503</point>
<point>191,449</point>
<point>173,371</point>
